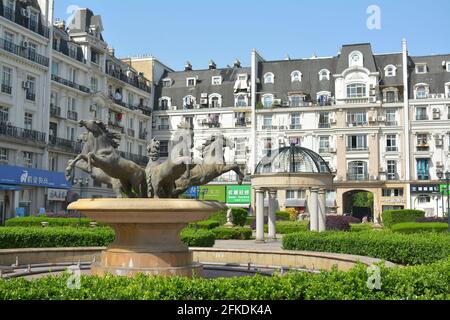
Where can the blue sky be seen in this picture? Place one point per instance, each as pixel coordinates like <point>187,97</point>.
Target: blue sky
<point>199,30</point>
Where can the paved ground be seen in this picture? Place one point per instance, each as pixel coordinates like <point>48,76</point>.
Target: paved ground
<point>269,245</point>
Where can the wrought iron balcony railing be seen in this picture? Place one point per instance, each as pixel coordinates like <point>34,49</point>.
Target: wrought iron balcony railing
<point>17,17</point>
<point>21,133</point>
<point>23,52</point>
<point>70,84</point>
<point>71,146</point>
<point>6,89</point>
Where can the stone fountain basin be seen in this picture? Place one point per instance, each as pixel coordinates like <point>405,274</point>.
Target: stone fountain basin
<point>147,234</point>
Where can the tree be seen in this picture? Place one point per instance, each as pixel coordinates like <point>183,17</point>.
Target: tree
<point>363,200</point>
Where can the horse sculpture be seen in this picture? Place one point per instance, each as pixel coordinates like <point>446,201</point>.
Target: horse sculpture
<point>212,166</point>
<point>161,177</point>
<point>103,154</point>
<point>97,174</point>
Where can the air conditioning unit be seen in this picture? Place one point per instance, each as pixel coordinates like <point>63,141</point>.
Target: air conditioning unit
<point>439,164</point>
<point>25,13</point>
<point>24,44</point>
<point>374,178</point>
<point>372,119</point>
<point>373,99</point>
<point>248,120</point>
<point>204,95</point>
<point>381,119</point>
<point>93,108</point>
<point>285,104</point>
<point>333,121</point>
<point>332,150</point>
<point>26,85</point>
<point>203,101</point>
<point>373,92</point>
<point>277,102</point>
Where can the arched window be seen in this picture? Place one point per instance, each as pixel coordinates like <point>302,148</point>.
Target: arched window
<point>356,90</point>
<point>357,170</point>
<point>215,100</point>
<point>422,91</point>
<point>324,74</point>
<point>164,103</point>
<point>390,71</point>
<point>241,100</point>
<point>296,100</point>
<point>296,76</point>
<point>267,100</point>
<point>189,102</point>
<point>324,98</point>
<point>355,59</point>
<point>269,78</point>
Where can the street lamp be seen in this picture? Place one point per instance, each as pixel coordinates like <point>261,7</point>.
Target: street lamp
<point>441,177</point>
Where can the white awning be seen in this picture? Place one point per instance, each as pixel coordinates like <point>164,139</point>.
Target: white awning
<point>295,203</point>
<point>236,205</point>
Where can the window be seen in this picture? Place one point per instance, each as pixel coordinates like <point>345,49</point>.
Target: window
<point>269,78</point>
<point>7,80</point>
<point>267,150</point>
<point>70,132</point>
<point>296,76</point>
<point>31,89</point>
<point>296,101</point>
<point>28,121</point>
<point>34,20</point>
<point>130,99</point>
<point>422,142</point>
<point>391,143</point>
<point>357,170</point>
<point>164,123</point>
<point>167,83</point>
<point>191,82</point>
<point>267,122</point>
<point>214,102</point>
<point>28,159</point>
<point>448,66</point>
<point>73,75</point>
<point>357,143</point>
<point>32,50</point>
<point>324,144</point>
<point>164,148</point>
<point>94,84</point>
<point>295,121</point>
<point>4,114</point>
<point>4,154</point>
<point>421,68</point>
<point>390,96</point>
<point>324,99</point>
<point>356,59</point>
<point>324,75</point>
<point>216,81</point>
<point>423,169</point>
<point>356,90</point>
<point>356,118</point>
<point>421,92</point>
<point>421,113</point>
<point>95,57</point>
<point>189,102</point>
<point>9,9</point>
<point>392,170</point>
<point>267,101</point>
<point>324,120</point>
<point>392,193</point>
<point>240,148</point>
<point>241,100</point>
<point>422,199</point>
<point>390,71</point>
<point>290,194</point>
<point>164,103</point>
<point>391,117</point>
<point>55,68</point>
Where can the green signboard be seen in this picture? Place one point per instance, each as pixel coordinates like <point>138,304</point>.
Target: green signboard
<point>212,193</point>
<point>445,189</point>
<point>239,194</point>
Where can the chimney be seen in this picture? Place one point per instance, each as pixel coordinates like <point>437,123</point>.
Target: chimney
<point>237,63</point>
<point>112,52</point>
<point>60,24</point>
<point>188,66</point>
<point>212,65</point>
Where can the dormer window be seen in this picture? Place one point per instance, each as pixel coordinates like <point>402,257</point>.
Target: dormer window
<point>267,100</point>
<point>164,103</point>
<point>191,82</point>
<point>9,9</point>
<point>448,66</point>
<point>296,76</point>
<point>356,59</point>
<point>324,75</point>
<point>189,102</point>
<point>422,91</point>
<point>215,100</point>
<point>242,77</point>
<point>167,83</point>
<point>421,68</point>
<point>269,78</point>
<point>216,81</point>
<point>241,100</point>
<point>390,71</point>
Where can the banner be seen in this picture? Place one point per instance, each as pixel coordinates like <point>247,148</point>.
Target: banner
<point>239,194</point>
<point>212,193</point>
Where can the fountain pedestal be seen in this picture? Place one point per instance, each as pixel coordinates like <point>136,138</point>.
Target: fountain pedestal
<point>147,234</point>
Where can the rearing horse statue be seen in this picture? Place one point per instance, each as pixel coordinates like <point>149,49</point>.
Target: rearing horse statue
<point>104,155</point>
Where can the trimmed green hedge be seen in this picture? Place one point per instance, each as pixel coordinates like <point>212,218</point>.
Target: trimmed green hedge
<point>52,222</point>
<point>398,248</point>
<point>206,224</point>
<point>35,237</point>
<point>417,227</point>
<point>198,238</point>
<point>287,227</point>
<point>392,217</point>
<point>236,233</point>
<point>283,215</point>
<point>428,282</point>
<point>239,216</point>
<point>361,227</point>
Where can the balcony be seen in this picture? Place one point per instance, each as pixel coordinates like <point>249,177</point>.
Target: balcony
<point>295,127</point>
<point>140,160</point>
<point>355,100</point>
<point>143,135</point>
<point>31,96</point>
<point>393,177</point>
<point>421,117</point>
<point>211,123</point>
<point>163,127</point>
<point>55,111</point>
<point>423,147</point>
<point>357,177</point>
<point>74,147</point>
<point>391,149</point>
<point>324,125</point>
<point>116,126</point>
<point>357,124</point>
<point>21,134</point>
<point>135,82</point>
<point>356,149</point>
<point>23,52</point>
<point>391,123</point>
<point>324,150</point>
<point>6,89</point>
<point>17,17</point>
<point>269,128</point>
<point>145,110</point>
<point>65,51</point>
<point>71,84</point>
<point>131,133</point>
<point>423,176</point>
<point>72,115</point>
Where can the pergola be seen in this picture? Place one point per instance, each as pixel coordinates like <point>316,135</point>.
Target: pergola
<point>291,168</point>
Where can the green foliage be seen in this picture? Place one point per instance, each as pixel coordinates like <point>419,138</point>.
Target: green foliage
<point>392,217</point>
<point>52,222</point>
<point>398,248</point>
<point>416,227</point>
<point>363,199</point>
<point>206,224</point>
<point>249,221</point>
<point>220,216</point>
<point>428,282</point>
<point>198,238</point>
<point>239,216</point>
<point>283,215</point>
<point>287,227</point>
<point>361,227</point>
<point>236,233</point>
<point>35,237</point>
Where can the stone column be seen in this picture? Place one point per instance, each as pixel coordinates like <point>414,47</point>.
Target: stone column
<point>322,210</point>
<point>272,214</point>
<point>259,208</point>
<point>314,209</point>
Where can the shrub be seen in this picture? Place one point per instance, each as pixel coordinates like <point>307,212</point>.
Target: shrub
<point>336,223</point>
<point>433,219</point>
<point>416,227</point>
<point>250,221</point>
<point>206,224</point>
<point>236,233</point>
<point>283,215</point>
<point>52,222</point>
<point>198,238</point>
<point>220,216</point>
<point>239,216</point>
<point>392,217</point>
<point>361,227</point>
<point>412,283</point>
<point>293,214</point>
<point>286,227</point>
<point>35,237</point>
<point>398,248</point>
<point>351,220</point>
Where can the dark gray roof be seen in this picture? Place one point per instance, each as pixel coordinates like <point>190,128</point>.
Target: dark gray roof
<point>436,77</point>
<point>179,90</point>
<point>384,60</point>
<point>365,49</point>
<point>83,19</point>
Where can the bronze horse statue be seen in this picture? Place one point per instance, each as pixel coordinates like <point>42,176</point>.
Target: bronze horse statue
<point>212,166</point>
<point>104,155</point>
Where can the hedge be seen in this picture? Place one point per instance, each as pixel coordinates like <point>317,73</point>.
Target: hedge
<point>206,224</point>
<point>197,238</point>
<point>361,227</point>
<point>283,215</point>
<point>52,222</point>
<point>392,217</point>
<point>239,216</point>
<point>428,282</point>
<point>418,227</point>
<point>236,233</point>
<point>286,227</point>
<point>403,249</point>
<point>35,237</point>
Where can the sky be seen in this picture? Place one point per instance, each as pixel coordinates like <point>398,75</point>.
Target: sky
<point>176,31</point>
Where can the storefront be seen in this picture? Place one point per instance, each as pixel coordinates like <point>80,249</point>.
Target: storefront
<point>427,197</point>
<point>239,196</point>
<point>24,191</point>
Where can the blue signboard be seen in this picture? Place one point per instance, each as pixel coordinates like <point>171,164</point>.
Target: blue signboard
<point>33,177</point>
<point>192,192</point>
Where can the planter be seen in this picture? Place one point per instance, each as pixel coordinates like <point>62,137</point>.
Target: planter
<point>147,234</point>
